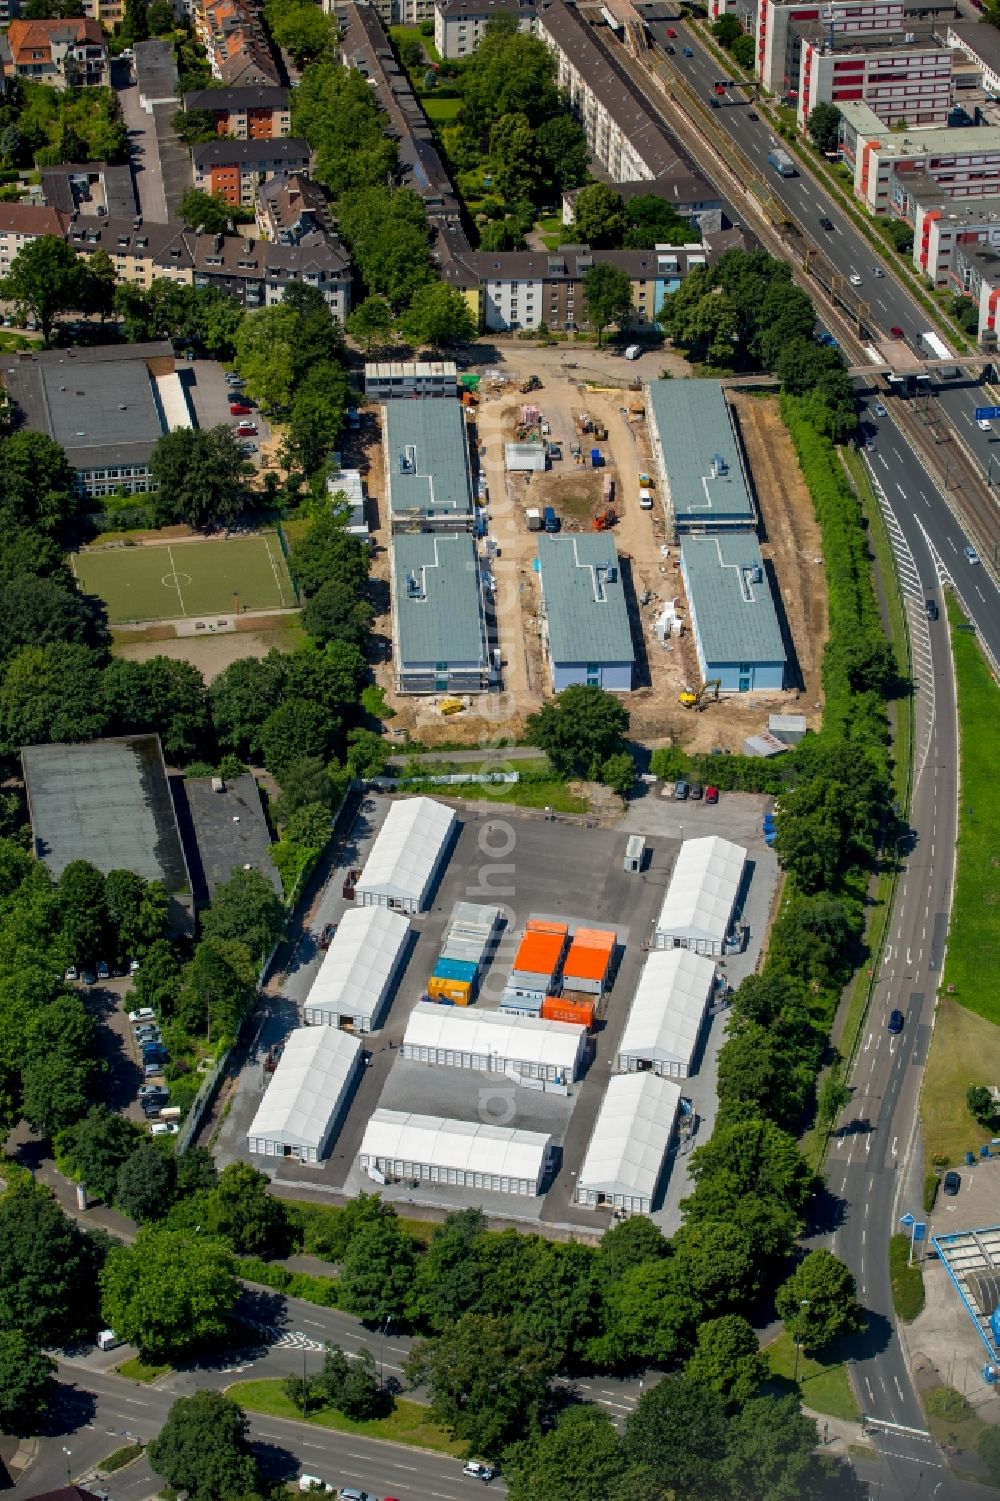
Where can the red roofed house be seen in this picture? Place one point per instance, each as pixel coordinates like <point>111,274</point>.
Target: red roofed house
<point>66,54</point>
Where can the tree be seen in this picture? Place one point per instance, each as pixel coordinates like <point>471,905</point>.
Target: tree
<point>579,730</point>
<point>25,1382</point>
<point>607,297</point>
<point>317,417</point>
<point>247,909</point>
<point>37,490</point>
<point>618,773</point>
<point>823,125</point>
<point>46,278</point>
<point>161,694</point>
<point>47,1268</point>
<point>193,126</point>
<point>509,73</point>
<point>100,282</point>
<point>267,355</point>
<point>97,1146</point>
<point>137,912</point>
<point>489,1382</point>
<point>386,229</point>
<point>36,611</point>
<point>327,554</point>
<point>770,1453</point>
<point>981,1106</point>
<point>438,315</point>
<point>725,30</point>
<point>297,730</point>
<point>833,1096</point>
<point>647,1316</point>
<point>200,474</point>
<point>988,1448</point>
<point>600,218</point>
<point>304,31</point>
<point>336,613</point>
<point>744,51</point>
<point>135,26</point>
<point>85,923</point>
<point>351,1386</point>
<point>567,156</point>
<point>727,1358</point>
<point>580,1459</point>
<point>160,17</point>
<point>516,159</point>
<point>241,1211</point>
<point>653,221</point>
<point>146,1182</point>
<point>168,1292</point>
<point>678,1431</point>
<point>448,1281</point>
<point>203,1449</point>
<point>377,1272</point>
<point>817,1302</point>
<point>50,693</point>
<point>206,212</point>
<point>219,988</point>
<point>627,1244</point>
<point>241,698</point>
<point>371,324</point>
<point>305,784</point>
<point>158,979</point>
<point>55,1090</point>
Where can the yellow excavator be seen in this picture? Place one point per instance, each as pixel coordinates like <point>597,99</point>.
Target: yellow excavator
<point>708,694</point>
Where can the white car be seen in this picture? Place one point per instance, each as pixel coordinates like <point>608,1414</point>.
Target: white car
<point>854,279</point>
<point>144,1014</point>
<point>71,974</point>
<point>313,1483</point>
<point>164,1128</point>
<point>479,1471</point>
<point>972,555</point>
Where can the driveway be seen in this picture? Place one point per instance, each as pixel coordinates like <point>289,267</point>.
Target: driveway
<point>205,382</point>
<point>145,154</point>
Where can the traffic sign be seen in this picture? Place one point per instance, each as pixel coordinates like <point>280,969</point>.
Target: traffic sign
<point>987,413</point>
<point>907,1220</point>
<point>919,1230</point>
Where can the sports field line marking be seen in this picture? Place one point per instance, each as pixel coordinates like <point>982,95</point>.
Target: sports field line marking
<point>274,570</point>
<point>72,565</point>
<point>177,582</point>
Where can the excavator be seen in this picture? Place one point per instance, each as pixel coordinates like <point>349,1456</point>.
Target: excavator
<point>707,694</point>
<point>605,520</point>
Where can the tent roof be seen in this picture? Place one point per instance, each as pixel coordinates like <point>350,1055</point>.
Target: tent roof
<point>357,965</point>
<point>403,857</point>
<point>703,889</point>
<point>306,1087</point>
<point>631,1135</point>
<point>669,1006</point>
<point>526,1038</point>
<point>467,1146</point>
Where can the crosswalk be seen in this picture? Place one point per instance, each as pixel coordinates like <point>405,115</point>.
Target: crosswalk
<point>282,1339</point>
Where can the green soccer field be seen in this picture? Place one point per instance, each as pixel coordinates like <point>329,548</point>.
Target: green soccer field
<point>188,579</point>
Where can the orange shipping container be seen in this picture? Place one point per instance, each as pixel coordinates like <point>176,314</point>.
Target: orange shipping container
<point>459,992</point>
<point>556,1008</point>
<point>539,953</point>
<point>540,925</point>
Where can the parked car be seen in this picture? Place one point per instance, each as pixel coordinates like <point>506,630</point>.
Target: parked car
<point>148,1091</point>
<point>246,429</point>
<point>239,409</point>
<point>88,977</point>
<point>951,1183</point>
<point>351,1493</point>
<point>164,1128</point>
<point>144,1014</point>
<point>313,1483</point>
<point>103,971</point>
<point>711,794</point>
<point>326,937</point>
<point>697,792</point>
<point>681,790</point>
<point>71,974</point>
<point>133,965</point>
<point>895,1022</point>
<point>880,410</point>
<point>151,1069</point>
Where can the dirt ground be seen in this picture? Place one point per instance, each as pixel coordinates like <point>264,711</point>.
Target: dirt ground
<point>212,654</point>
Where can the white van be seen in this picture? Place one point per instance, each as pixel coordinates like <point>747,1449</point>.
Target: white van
<point>633,351</point>
<point>313,1483</point>
<point>107,1339</point>
<point>645,500</point>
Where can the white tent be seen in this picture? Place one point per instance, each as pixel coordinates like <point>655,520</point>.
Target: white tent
<point>698,907</point>
<point>406,856</point>
<point>466,1154</point>
<point>358,970</point>
<point>494,1041</point>
<point>307,1094</point>
<point>632,1132</point>
<point>667,1013</point>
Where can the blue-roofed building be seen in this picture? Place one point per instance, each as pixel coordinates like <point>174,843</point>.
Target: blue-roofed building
<point>438,623</point>
<point>733,619</point>
<point>428,480</point>
<point>585,615</point>
<point>699,460</point>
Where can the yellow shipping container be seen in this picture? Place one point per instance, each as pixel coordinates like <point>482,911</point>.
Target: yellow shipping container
<point>440,988</point>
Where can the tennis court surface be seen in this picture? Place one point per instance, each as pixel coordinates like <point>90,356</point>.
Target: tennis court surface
<point>188,579</point>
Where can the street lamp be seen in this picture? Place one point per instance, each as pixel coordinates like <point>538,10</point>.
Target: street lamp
<point>803,1303</point>
<point>383,1330</point>
<point>69,1454</point>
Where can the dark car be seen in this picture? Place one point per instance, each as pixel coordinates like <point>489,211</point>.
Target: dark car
<point>149,1091</point>
<point>681,790</point>
<point>688,52</point>
<point>896,331</point>
<point>932,610</point>
<point>711,794</point>
<point>671,49</point>
<point>752,115</point>
<point>895,1022</point>
<point>951,1183</point>
<point>697,791</point>
<point>326,937</point>
<point>825,223</point>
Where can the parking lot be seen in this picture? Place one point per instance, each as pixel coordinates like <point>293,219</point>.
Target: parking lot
<point>210,397</point>
<point>531,867</point>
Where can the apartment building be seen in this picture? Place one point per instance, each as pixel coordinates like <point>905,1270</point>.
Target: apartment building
<point>253,113</point>
<point>22,222</point>
<point>459,24</point>
<point>977,266</point>
<point>255,272</point>
<point>235,43</point>
<point>289,207</point>
<point>779,43</point>
<point>964,163</point>
<point>64,54</point>
<point>900,75</point>
<point>233,169</point>
<point>109,13</point>
<point>941,230</point>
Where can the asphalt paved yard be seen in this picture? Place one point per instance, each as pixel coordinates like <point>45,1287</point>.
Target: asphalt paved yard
<point>210,396</point>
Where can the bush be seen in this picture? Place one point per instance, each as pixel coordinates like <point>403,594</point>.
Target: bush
<point>319,1290</point>
<point>949,1405</point>
<point>932,1183</point>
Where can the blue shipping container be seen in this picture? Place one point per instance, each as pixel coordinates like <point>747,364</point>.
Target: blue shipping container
<point>456,969</point>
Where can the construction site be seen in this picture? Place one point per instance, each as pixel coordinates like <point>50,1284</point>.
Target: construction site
<point>585,453</point>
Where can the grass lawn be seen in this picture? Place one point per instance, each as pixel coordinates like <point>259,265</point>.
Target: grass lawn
<point>907,1281</point>
<point>119,1458</point>
<point>822,1385</point>
<point>553,231</point>
<point>188,578</point>
<point>402,33</point>
<point>554,795</point>
<point>440,111</point>
<point>974,938</point>
<point>965,1049</point>
<point>138,1370</point>
<point>409,1423</point>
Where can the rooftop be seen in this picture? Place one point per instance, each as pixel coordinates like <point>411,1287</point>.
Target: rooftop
<point>249,96</point>
<point>427,461</point>
<point>436,601</point>
<point>156,69</point>
<point>224,150</point>
<point>226,831</point>
<point>585,599</point>
<point>107,802</point>
<point>911,36</point>
<point>977,41</point>
<point>730,598</point>
<point>100,404</point>
<point>695,431</point>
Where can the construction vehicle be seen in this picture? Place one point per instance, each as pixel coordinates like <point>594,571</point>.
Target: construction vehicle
<point>450,706</point>
<point>605,519</point>
<point>708,694</point>
<point>531,384</point>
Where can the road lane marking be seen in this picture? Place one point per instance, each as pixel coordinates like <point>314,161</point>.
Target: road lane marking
<point>951,545</point>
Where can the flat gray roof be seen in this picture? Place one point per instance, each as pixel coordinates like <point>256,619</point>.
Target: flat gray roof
<point>733,608</point>
<point>107,802</point>
<point>439,614</point>
<point>426,456</point>
<point>585,599</point>
<point>695,429</point>
<point>226,830</point>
